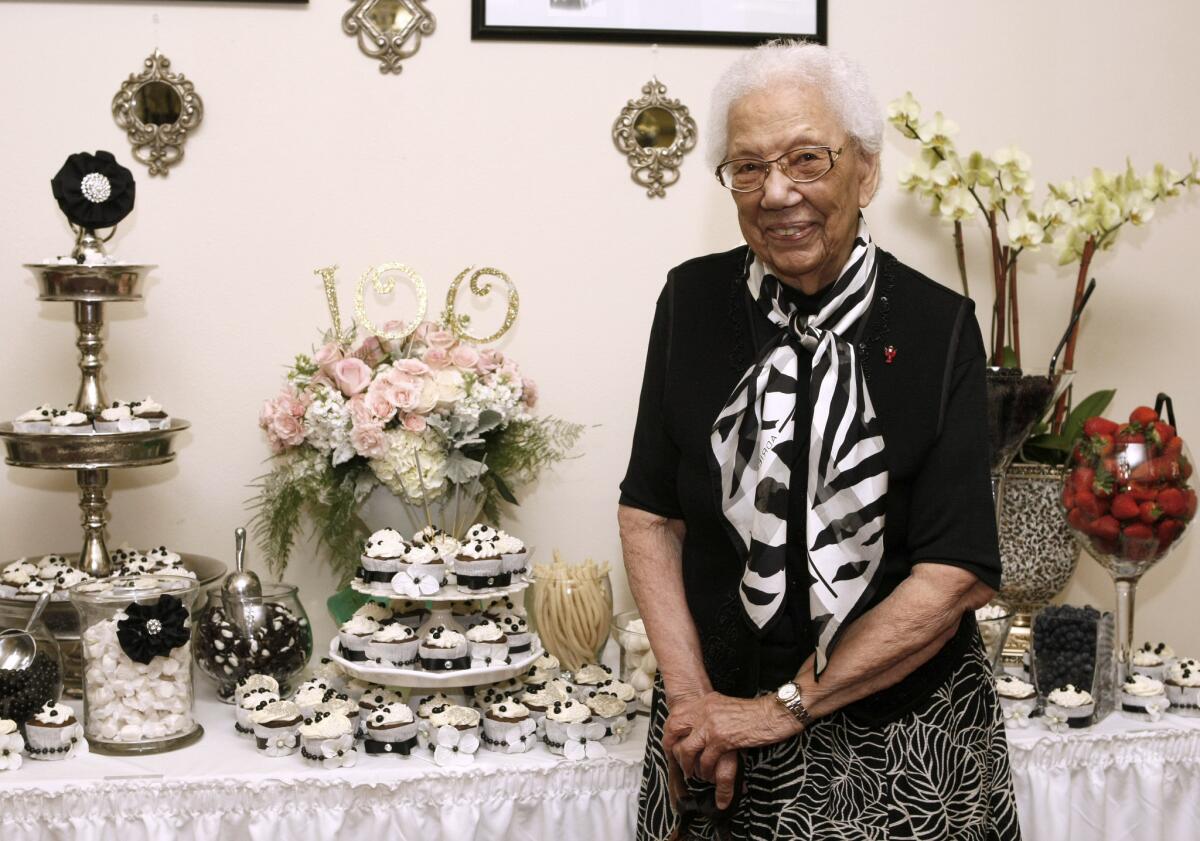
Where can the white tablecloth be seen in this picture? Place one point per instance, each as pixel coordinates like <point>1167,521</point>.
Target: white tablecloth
<point>221,788</point>
<point>1121,780</point>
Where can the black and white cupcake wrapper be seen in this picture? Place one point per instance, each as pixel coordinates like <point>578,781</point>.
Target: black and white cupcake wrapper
<point>403,653</point>
<point>1142,708</point>
<point>54,743</point>
<point>1185,700</point>
<point>277,741</point>
<point>509,736</point>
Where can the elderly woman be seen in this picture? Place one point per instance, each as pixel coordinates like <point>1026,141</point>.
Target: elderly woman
<point>807,518</point>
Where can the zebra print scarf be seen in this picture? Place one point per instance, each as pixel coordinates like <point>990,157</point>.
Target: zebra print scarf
<point>753,447</point>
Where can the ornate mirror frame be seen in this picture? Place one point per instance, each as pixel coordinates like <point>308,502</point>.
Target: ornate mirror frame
<point>389,47</point>
<point>654,166</point>
<point>157,145</point>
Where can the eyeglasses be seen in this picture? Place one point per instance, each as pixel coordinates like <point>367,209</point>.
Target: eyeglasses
<point>802,165</point>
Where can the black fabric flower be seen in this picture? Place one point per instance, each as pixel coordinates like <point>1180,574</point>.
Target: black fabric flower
<point>94,191</point>
<point>153,630</point>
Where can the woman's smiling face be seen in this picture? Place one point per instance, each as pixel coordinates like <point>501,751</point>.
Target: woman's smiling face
<point>804,232</point>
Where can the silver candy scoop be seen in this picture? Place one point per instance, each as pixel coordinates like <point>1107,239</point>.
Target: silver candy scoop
<point>18,648</point>
<point>242,591</point>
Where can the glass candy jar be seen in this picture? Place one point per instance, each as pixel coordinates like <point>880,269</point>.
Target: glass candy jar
<point>227,650</point>
<point>638,663</point>
<point>571,610</point>
<point>137,663</point>
<point>24,691</point>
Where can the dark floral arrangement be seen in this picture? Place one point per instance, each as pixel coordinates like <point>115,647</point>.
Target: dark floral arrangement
<point>153,630</point>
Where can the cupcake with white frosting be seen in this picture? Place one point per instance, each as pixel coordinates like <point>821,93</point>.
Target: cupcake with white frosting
<point>390,729</point>
<point>443,650</point>
<point>381,613</point>
<point>501,605</point>
<point>252,682</point>
<point>623,691</point>
<point>354,635</point>
<point>394,645</point>
<point>1143,698</point>
<point>609,710</point>
<point>410,613</point>
<point>71,423</point>
<point>277,728</point>
<point>421,562</point>
<point>489,645</point>
<point>558,717</point>
<point>380,559</point>
<point>541,701</point>
<point>35,420</point>
<point>1018,699</point>
<point>426,705</point>
<point>376,697</point>
<point>589,676</point>
<point>514,555</point>
<point>331,673</point>
<point>1068,707</point>
<point>481,533</point>
<point>327,741</point>
<point>484,696</point>
<point>544,669</point>
<point>248,702</point>
<point>1146,661</point>
<point>516,628</point>
<point>53,733</point>
<point>466,613</point>
<point>444,545</point>
<point>110,418</point>
<point>1183,687</point>
<point>477,566</point>
<point>150,411</point>
<point>340,704</point>
<point>16,574</point>
<point>508,727</point>
<point>309,696</point>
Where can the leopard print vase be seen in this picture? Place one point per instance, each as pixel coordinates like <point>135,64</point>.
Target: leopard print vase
<point>1036,547</point>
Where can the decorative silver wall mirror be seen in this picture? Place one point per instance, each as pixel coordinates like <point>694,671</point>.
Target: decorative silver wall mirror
<point>156,109</point>
<point>389,30</point>
<point>654,133</point>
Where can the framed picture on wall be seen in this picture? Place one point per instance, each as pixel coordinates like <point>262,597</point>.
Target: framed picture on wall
<point>729,22</point>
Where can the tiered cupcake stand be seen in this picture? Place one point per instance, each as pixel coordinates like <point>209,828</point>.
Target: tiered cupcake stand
<point>90,285</point>
<point>441,613</point>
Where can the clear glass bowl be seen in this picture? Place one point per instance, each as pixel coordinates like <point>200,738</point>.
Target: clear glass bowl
<point>571,612</point>
<point>280,647</point>
<point>25,691</point>
<point>137,663</point>
<point>638,663</point>
<point>994,622</point>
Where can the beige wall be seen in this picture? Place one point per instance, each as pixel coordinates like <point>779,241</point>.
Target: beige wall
<point>499,153</point>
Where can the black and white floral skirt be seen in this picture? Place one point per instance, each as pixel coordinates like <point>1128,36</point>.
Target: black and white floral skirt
<point>940,772</point>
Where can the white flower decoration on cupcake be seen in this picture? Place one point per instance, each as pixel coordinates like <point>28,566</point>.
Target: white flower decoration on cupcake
<point>339,752</point>
<point>583,741</point>
<point>520,739</point>
<point>454,746</point>
<point>282,745</point>
<point>11,745</point>
<point>414,587</point>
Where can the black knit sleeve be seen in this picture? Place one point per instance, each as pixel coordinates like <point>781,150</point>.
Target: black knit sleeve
<point>952,515</point>
<point>650,479</point>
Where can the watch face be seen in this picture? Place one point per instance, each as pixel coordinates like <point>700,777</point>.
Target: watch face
<point>786,692</point>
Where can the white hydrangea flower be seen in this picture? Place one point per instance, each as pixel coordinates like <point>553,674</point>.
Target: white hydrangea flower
<point>327,425</point>
<point>398,469</point>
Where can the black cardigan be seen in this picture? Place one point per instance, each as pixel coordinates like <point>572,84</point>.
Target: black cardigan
<point>930,400</point>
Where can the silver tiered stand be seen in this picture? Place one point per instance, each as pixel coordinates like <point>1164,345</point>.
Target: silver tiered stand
<point>89,287</point>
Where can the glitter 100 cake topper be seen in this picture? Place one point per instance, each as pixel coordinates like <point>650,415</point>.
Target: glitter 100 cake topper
<point>383,279</point>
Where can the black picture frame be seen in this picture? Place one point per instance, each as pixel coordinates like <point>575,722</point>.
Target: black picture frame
<point>481,31</point>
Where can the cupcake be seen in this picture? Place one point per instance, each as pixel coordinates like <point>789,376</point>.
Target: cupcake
<point>277,728</point>
<point>252,682</point>
<point>327,741</point>
<point>501,605</point>
<point>331,673</point>
<point>481,533</point>
<point>1183,687</point>
<point>1018,700</point>
<point>558,717</point>
<point>11,745</point>
<point>453,735</point>
<point>477,567</point>
<point>390,729</point>
<point>380,559</point>
<point>427,705</point>
<point>443,650</point>
<point>443,544</point>
<point>53,733</point>
<point>375,697</point>
<point>513,554</point>
<point>34,587</point>
<point>35,420</point>
<point>544,669</point>
<point>394,645</point>
<point>609,710</point>
<point>520,641</point>
<point>508,727</point>
<point>249,702</point>
<point>489,645</point>
<point>410,613</point>
<point>1145,661</point>
<point>588,677</point>
<point>353,636</point>
<point>484,696</point>
<point>355,688</point>
<point>68,578</point>
<point>467,613</point>
<point>1069,707</point>
<point>1164,651</point>
<point>541,701</point>
<point>71,423</point>
<point>381,613</point>
<point>623,691</point>
<point>463,719</point>
<point>16,574</point>
<point>110,419</point>
<point>150,412</point>
<point>1143,698</point>
<point>338,704</point>
<point>421,568</point>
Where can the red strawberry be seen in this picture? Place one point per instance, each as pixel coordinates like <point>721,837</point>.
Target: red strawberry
<point>1190,504</point>
<point>1068,497</point>
<point>1082,478</point>
<point>1099,426</point>
<point>1089,503</point>
<point>1106,528</point>
<point>1143,416</point>
<point>1143,492</point>
<point>1130,435</point>
<point>1079,521</point>
<point>1162,469</point>
<point>1125,507</point>
<point>1101,445</point>
<point>1148,512</point>
<point>1103,484</point>
<point>1172,502</point>
<point>1160,433</point>
<point>1167,532</point>
<point>1173,447</point>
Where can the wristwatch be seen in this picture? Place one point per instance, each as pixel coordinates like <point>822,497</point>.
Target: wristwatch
<point>788,697</point>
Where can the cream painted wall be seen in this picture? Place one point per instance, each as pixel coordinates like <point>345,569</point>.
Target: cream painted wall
<point>499,153</point>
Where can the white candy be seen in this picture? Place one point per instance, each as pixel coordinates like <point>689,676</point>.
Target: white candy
<point>641,681</point>
<point>154,730</point>
<point>108,730</point>
<point>169,666</point>
<point>649,663</point>
<point>646,696</point>
<point>130,733</point>
<point>164,689</point>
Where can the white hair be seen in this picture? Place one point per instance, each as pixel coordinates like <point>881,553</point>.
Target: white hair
<point>841,79</point>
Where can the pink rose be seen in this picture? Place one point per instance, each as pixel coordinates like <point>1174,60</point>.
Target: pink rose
<point>321,378</point>
<point>436,357</point>
<point>288,429</point>
<point>464,357</point>
<point>412,367</point>
<point>328,354</point>
<point>510,369</point>
<point>415,423</point>
<point>489,360</point>
<point>351,375</point>
<point>282,418</point>
<point>440,338</point>
<point>401,390</point>
<point>529,392</point>
<point>379,401</point>
<point>369,440</point>
<point>370,351</point>
<point>360,412</point>
<point>423,330</point>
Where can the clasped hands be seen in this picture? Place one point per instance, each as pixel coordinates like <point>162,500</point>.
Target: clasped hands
<point>705,730</point>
